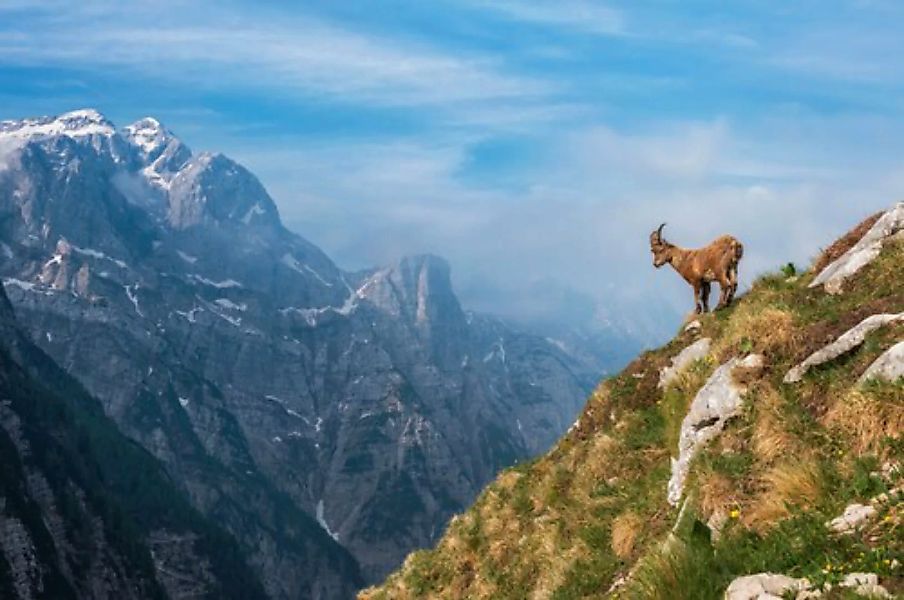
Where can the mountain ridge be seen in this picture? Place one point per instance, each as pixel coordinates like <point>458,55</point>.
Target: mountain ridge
<point>275,387</point>
<point>87,513</point>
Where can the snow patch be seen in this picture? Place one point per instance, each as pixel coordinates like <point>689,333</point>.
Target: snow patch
<point>257,209</point>
<point>294,264</point>
<point>322,521</point>
<point>132,293</point>
<point>190,315</point>
<point>226,283</point>
<point>558,343</point>
<point>295,414</point>
<point>28,286</point>
<point>310,314</point>
<point>498,351</point>
<point>99,255</point>
<point>229,304</point>
<point>75,124</point>
<point>187,257</point>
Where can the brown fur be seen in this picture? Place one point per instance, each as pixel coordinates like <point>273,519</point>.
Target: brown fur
<point>717,262</point>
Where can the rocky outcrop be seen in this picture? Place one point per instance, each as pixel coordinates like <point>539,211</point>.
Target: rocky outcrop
<point>844,344</point>
<point>864,584</point>
<point>771,586</point>
<point>764,586</point>
<point>80,502</point>
<point>718,400</point>
<point>852,518</point>
<point>865,251</point>
<point>683,360</point>
<point>888,367</point>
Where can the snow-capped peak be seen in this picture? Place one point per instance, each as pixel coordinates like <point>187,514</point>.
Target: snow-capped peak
<point>74,124</point>
<point>148,135</point>
<point>162,153</point>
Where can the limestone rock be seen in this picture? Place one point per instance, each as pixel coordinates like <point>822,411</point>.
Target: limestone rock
<point>717,401</point>
<point>888,367</point>
<point>683,360</point>
<point>694,325</point>
<point>764,586</point>
<point>854,516</point>
<point>848,341</point>
<point>865,584</point>
<point>863,252</point>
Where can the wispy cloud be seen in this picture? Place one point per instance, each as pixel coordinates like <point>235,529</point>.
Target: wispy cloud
<point>529,142</point>
<point>579,15</point>
<point>305,55</point>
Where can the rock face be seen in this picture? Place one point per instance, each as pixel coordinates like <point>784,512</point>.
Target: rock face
<point>683,360</point>
<point>853,517</point>
<point>845,343</point>
<point>863,252</point>
<point>311,411</point>
<point>865,584</point>
<point>764,586</point>
<point>717,401</point>
<point>82,508</point>
<point>888,367</point>
<point>771,586</point>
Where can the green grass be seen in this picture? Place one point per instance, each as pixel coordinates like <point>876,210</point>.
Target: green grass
<point>618,461</point>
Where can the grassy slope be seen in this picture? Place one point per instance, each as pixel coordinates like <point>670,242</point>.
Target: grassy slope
<point>593,509</point>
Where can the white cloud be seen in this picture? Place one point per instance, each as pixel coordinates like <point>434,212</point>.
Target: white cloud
<point>8,148</point>
<point>304,55</point>
<point>586,207</point>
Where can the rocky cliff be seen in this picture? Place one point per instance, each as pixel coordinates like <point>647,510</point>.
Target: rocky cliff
<point>84,512</point>
<point>757,455</point>
<point>331,421</point>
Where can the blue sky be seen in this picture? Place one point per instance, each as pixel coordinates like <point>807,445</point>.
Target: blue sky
<point>531,143</point>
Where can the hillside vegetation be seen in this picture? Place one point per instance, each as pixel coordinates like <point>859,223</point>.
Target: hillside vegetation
<point>590,519</point>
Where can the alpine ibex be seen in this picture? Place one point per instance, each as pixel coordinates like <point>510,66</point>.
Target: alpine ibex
<point>700,267</point>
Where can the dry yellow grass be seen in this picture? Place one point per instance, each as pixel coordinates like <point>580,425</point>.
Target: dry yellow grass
<point>717,494</point>
<point>867,420</point>
<point>625,529</point>
<point>796,482</point>
<point>767,329</point>
<point>550,528</point>
<point>771,439</point>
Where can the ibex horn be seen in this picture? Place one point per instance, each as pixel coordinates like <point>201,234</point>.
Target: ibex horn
<point>659,231</point>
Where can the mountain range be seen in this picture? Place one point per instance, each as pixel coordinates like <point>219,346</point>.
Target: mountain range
<point>328,421</point>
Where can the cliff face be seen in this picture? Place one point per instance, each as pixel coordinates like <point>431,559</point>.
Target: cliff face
<point>84,513</point>
<point>331,421</point>
<point>759,452</point>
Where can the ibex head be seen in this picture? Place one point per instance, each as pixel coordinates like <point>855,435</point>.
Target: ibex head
<point>659,247</point>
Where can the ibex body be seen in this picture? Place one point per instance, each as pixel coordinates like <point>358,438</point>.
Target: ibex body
<point>717,262</point>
